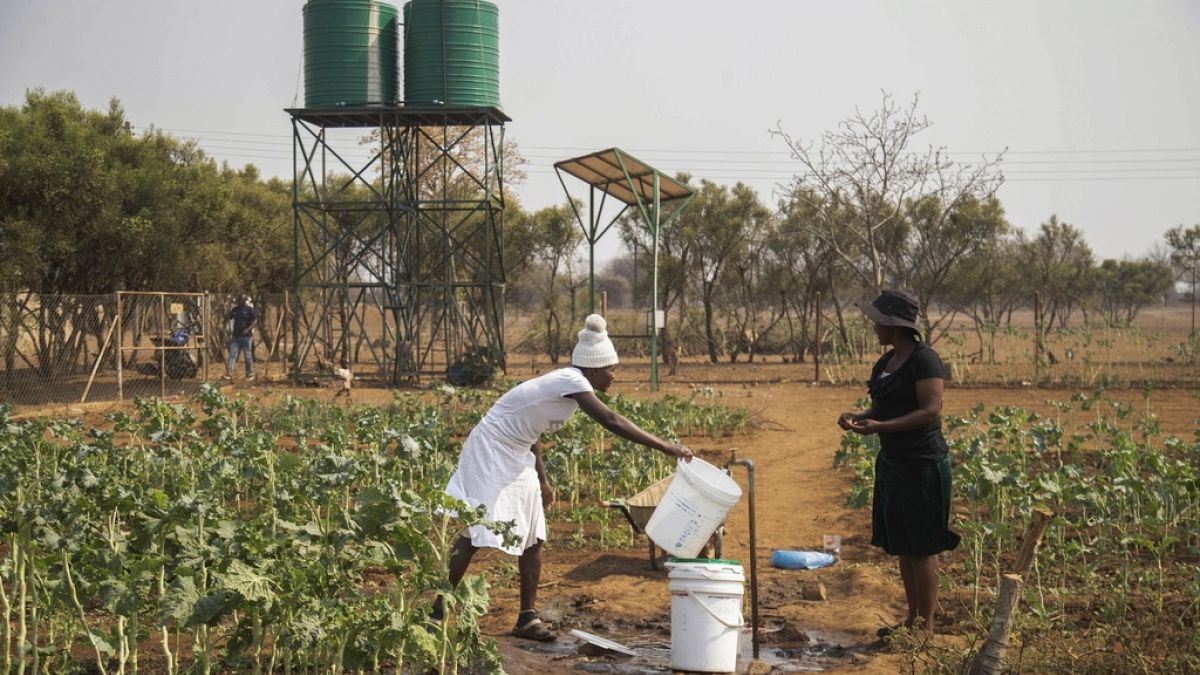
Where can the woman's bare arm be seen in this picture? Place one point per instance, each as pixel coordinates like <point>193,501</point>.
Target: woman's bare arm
<point>618,424</point>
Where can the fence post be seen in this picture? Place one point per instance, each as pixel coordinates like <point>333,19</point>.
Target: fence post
<point>120,350</point>
<point>206,329</point>
<point>1037,337</point>
<point>162,345</point>
<point>817,343</point>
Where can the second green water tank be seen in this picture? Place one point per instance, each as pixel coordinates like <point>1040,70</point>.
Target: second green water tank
<point>451,53</point>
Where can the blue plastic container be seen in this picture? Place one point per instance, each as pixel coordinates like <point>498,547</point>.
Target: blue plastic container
<point>801,560</point>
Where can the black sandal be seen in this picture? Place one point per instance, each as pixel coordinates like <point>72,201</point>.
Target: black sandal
<point>534,628</point>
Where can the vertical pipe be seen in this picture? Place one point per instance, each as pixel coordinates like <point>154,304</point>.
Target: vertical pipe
<point>287,320</point>
<point>325,306</point>
<point>416,311</point>
<point>817,343</point>
<point>654,290</point>
<point>486,300</point>
<point>754,625</point>
<point>499,224</point>
<point>449,298</point>
<point>591,251</point>
<point>295,327</point>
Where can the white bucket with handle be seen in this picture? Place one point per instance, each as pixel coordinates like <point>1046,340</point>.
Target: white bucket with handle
<point>706,614</point>
<point>692,508</point>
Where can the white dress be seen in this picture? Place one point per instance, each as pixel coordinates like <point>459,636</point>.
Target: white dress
<point>497,468</point>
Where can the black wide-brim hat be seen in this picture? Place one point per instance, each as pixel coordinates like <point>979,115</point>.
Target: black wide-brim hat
<point>893,308</point>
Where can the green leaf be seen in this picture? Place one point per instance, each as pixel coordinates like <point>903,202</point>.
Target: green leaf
<point>247,582</point>
<point>113,594</point>
<point>177,604</point>
<point>226,529</point>
<point>209,609</point>
<point>102,644</point>
<point>991,475</point>
<point>423,646</point>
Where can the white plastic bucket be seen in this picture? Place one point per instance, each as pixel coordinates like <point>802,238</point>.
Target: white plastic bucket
<point>706,614</point>
<point>692,508</point>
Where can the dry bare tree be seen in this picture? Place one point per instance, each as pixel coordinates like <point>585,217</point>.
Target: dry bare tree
<point>859,178</point>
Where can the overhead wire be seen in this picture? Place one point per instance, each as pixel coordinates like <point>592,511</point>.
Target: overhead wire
<point>755,165</point>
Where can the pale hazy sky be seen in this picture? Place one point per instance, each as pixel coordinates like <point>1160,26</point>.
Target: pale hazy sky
<point>1098,101</point>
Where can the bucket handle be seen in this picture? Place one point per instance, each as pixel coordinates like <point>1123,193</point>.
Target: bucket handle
<point>741,621</point>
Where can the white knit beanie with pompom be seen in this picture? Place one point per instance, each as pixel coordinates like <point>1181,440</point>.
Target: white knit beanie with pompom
<point>594,349</point>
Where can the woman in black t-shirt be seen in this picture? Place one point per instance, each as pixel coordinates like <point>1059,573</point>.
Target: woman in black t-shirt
<point>910,510</point>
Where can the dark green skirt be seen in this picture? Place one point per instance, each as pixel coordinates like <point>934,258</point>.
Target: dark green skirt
<point>910,512</point>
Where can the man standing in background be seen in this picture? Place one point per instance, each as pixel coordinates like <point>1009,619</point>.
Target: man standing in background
<point>241,318</point>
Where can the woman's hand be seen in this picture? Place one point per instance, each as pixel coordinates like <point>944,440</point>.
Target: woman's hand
<point>680,451</point>
<point>845,420</point>
<point>865,426</point>
<point>547,495</point>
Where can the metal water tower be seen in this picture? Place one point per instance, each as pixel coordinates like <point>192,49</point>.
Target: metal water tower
<point>397,259</point>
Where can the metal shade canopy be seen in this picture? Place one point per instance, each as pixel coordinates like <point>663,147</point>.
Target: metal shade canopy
<point>624,176</point>
<point>634,183</point>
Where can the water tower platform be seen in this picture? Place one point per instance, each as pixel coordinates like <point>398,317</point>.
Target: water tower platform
<point>363,116</point>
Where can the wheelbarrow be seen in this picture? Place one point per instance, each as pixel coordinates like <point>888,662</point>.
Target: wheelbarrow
<point>638,509</point>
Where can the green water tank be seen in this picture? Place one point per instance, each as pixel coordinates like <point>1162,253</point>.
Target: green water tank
<point>351,53</point>
<point>451,53</point>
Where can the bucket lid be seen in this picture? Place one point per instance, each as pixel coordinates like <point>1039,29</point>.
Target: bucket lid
<point>706,570</point>
<point>714,483</point>
<point>672,560</point>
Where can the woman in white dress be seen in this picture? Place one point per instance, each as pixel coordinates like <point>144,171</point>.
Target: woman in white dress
<point>501,463</point>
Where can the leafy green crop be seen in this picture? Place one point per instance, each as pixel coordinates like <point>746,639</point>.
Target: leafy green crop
<point>297,537</point>
<point>291,538</point>
<point>1120,556</point>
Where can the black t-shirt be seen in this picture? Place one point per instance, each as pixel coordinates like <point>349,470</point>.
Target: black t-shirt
<point>896,395</point>
<point>243,318</point>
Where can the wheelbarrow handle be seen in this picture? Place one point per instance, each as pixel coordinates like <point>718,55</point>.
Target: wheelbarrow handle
<point>624,509</point>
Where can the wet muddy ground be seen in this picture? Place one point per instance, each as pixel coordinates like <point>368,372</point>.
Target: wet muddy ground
<point>817,653</point>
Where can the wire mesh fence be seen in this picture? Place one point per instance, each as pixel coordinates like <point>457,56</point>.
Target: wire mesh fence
<point>48,344</point>
<point>62,349</point>
<point>57,349</point>
<point>1158,349</point>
